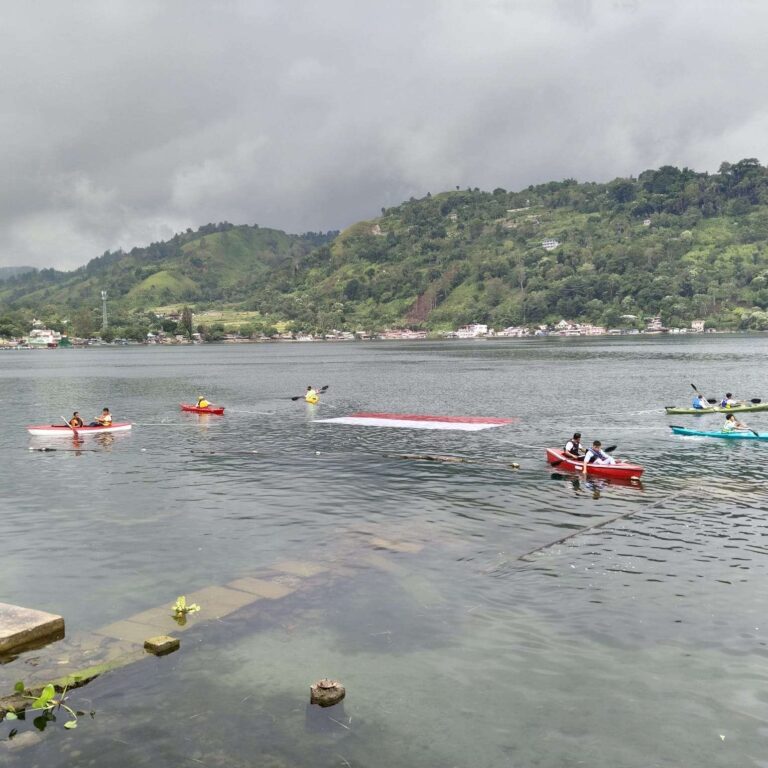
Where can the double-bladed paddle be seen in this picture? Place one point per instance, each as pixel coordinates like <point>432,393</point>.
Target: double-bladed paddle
<point>754,400</point>
<point>319,392</point>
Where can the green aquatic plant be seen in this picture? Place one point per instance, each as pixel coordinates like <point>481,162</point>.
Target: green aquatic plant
<point>180,607</point>
<point>48,702</point>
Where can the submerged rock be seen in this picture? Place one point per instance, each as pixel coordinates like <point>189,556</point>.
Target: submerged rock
<point>326,692</point>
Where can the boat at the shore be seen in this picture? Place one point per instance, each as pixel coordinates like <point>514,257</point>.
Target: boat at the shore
<point>620,470</point>
<point>735,434</point>
<point>217,410</point>
<point>67,431</point>
<point>746,408</point>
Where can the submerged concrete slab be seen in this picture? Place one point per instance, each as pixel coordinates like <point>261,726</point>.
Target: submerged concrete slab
<point>217,602</point>
<point>20,627</point>
<point>303,569</point>
<point>396,546</point>
<point>128,631</point>
<point>272,590</point>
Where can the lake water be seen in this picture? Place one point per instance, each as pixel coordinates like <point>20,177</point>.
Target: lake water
<point>639,643</point>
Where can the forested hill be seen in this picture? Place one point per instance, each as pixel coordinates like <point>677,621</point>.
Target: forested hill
<point>673,242</point>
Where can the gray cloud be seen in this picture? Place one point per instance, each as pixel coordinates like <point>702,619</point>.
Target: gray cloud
<point>125,121</point>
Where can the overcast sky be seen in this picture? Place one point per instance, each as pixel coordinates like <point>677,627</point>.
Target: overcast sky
<point>124,121</point>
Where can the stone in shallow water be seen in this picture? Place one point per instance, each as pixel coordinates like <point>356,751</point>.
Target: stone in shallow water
<point>326,692</point>
<point>20,627</point>
<point>162,644</point>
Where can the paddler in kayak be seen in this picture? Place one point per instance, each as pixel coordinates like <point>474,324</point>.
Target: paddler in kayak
<point>573,448</point>
<point>700,403</point>
<point>76,421</point>
<point>311,396</point>
<point>595,455</point>
<point>105,420</point>
<point>728,401</point>
<point>202,402</point>
<point>732,424</point>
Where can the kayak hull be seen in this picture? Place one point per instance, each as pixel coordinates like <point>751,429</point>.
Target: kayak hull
<point>620,471</point>
<point>214,409</point>
<point>671,411</point>
<point>735,435</point>
<point>50,430</point>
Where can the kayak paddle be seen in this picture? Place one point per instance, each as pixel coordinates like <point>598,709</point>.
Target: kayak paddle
<point>319,392</point>
<point>754,400</point>
<point>69,425</point>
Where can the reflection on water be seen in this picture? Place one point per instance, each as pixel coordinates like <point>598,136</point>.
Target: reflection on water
<point>477,615</point>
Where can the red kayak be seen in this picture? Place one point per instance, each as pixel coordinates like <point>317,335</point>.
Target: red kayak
<point>621,470</point>
<point>215,409</point>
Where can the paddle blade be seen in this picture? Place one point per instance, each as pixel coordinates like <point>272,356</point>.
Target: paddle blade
<point>694,388</point>
<point>610,449</point>
<point>756,400</point>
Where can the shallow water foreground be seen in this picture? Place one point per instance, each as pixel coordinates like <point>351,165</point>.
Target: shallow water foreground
<point>639,643</point>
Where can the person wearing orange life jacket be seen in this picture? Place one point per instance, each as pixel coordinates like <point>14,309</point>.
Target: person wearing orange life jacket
<point>76,421</point>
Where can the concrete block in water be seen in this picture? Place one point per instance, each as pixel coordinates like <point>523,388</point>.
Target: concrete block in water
<point>162,644</point>
<point>217,602</point>
<point>303,569</point>
<point>272,590</point>
<point>20,627</point>
<point>396,546</point>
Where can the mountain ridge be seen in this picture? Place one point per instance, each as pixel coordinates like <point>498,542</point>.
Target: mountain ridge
<point>671,242</point>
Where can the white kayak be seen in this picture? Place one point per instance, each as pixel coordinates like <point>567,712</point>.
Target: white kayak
<point>66,431</point>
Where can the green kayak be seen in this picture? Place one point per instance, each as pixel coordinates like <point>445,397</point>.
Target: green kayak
<point>735,435</point>
<point>672,411</point>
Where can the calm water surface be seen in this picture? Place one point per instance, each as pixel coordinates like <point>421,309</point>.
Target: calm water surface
<point>638,643</point>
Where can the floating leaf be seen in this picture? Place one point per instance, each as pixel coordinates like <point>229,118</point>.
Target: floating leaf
<point>70,724</point>
<point>40,722</point>
<point>11,716</point>
<point>44,698</point>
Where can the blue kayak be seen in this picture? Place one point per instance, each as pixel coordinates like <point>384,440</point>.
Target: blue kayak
<point>735,435</point>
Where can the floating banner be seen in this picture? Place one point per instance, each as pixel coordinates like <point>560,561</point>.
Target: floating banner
<point>414,421</point>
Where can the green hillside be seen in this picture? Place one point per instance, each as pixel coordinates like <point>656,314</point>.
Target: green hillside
<point>673,242</point>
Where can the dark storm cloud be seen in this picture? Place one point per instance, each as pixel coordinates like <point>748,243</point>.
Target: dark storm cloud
<point>124,122</point>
